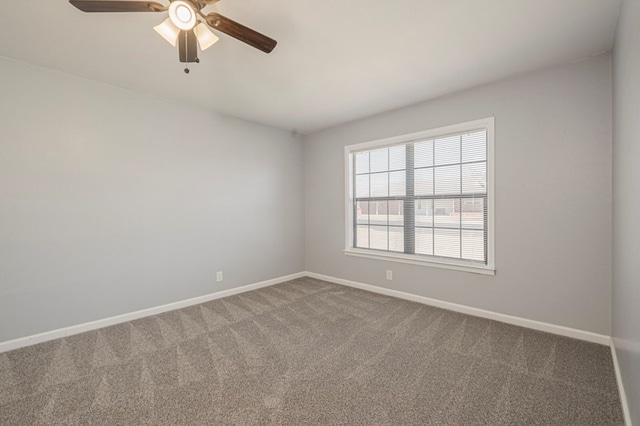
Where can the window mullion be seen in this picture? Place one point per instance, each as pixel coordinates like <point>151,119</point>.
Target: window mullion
<point>460,199</point>
<point>433,203</point>
<point>354,207</point>
<point>409,205</point>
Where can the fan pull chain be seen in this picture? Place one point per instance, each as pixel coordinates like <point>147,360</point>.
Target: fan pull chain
<point>186,52</point>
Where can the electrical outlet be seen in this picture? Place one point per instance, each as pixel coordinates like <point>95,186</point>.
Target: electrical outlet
<point>219,276</point>
<point>389,274</point>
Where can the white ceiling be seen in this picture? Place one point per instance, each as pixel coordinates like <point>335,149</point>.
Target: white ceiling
<point>336,60</point>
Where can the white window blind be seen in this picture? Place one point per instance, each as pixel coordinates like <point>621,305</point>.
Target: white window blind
<point>427,197</point>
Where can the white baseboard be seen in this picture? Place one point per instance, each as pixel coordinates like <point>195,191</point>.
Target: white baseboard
<point>80,328</point>
<point>623,396</point>
<point>509,319</point>
<point>88,326</point>
<point>536,325</point>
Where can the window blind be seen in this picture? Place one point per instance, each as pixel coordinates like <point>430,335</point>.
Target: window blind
<point>425,197</point>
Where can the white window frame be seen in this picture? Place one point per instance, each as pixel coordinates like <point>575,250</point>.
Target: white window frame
<point>460,265</point>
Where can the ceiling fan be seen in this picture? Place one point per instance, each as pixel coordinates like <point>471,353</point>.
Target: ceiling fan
<point>185,24</point>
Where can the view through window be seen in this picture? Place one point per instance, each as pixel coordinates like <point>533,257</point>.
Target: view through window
<point>427,197</point>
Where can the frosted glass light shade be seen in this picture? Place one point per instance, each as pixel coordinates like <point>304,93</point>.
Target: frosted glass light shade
<point>182,15</point>
<point>168,31</point>
<point>205,37</point>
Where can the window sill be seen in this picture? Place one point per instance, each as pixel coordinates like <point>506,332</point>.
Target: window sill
<point>416,260</point>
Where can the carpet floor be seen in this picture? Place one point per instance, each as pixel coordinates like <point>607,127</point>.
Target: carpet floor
<point>310,352</point>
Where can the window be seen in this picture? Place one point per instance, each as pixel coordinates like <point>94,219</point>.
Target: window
<point>425,197</point>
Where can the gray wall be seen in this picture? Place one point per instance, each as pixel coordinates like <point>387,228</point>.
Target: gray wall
<point>626,202</point>
<point>112,201</point>
<point>552,189</point>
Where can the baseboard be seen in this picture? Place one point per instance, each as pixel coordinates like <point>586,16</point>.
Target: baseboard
<point>623,396</point>
<point>536,325</point>
<point>80,328</point>
<point>509,319</point>
<point>88,326</point>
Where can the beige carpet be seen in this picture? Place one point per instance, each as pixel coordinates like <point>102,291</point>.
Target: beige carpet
<point>310,352</point>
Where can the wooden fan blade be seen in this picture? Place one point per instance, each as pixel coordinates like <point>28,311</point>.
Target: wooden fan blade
<point>187,46</point>
<point>240,32</point>
<point>117,6</point>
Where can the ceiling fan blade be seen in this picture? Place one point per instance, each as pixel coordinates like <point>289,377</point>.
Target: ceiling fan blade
<point>240,32</point>
<point>187,46</point>
<point>117,6</point>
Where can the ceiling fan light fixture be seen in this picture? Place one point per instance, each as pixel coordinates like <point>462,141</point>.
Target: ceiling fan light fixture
<point>168,31</point>
<point>182,15</point>
<point>205,37</point>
